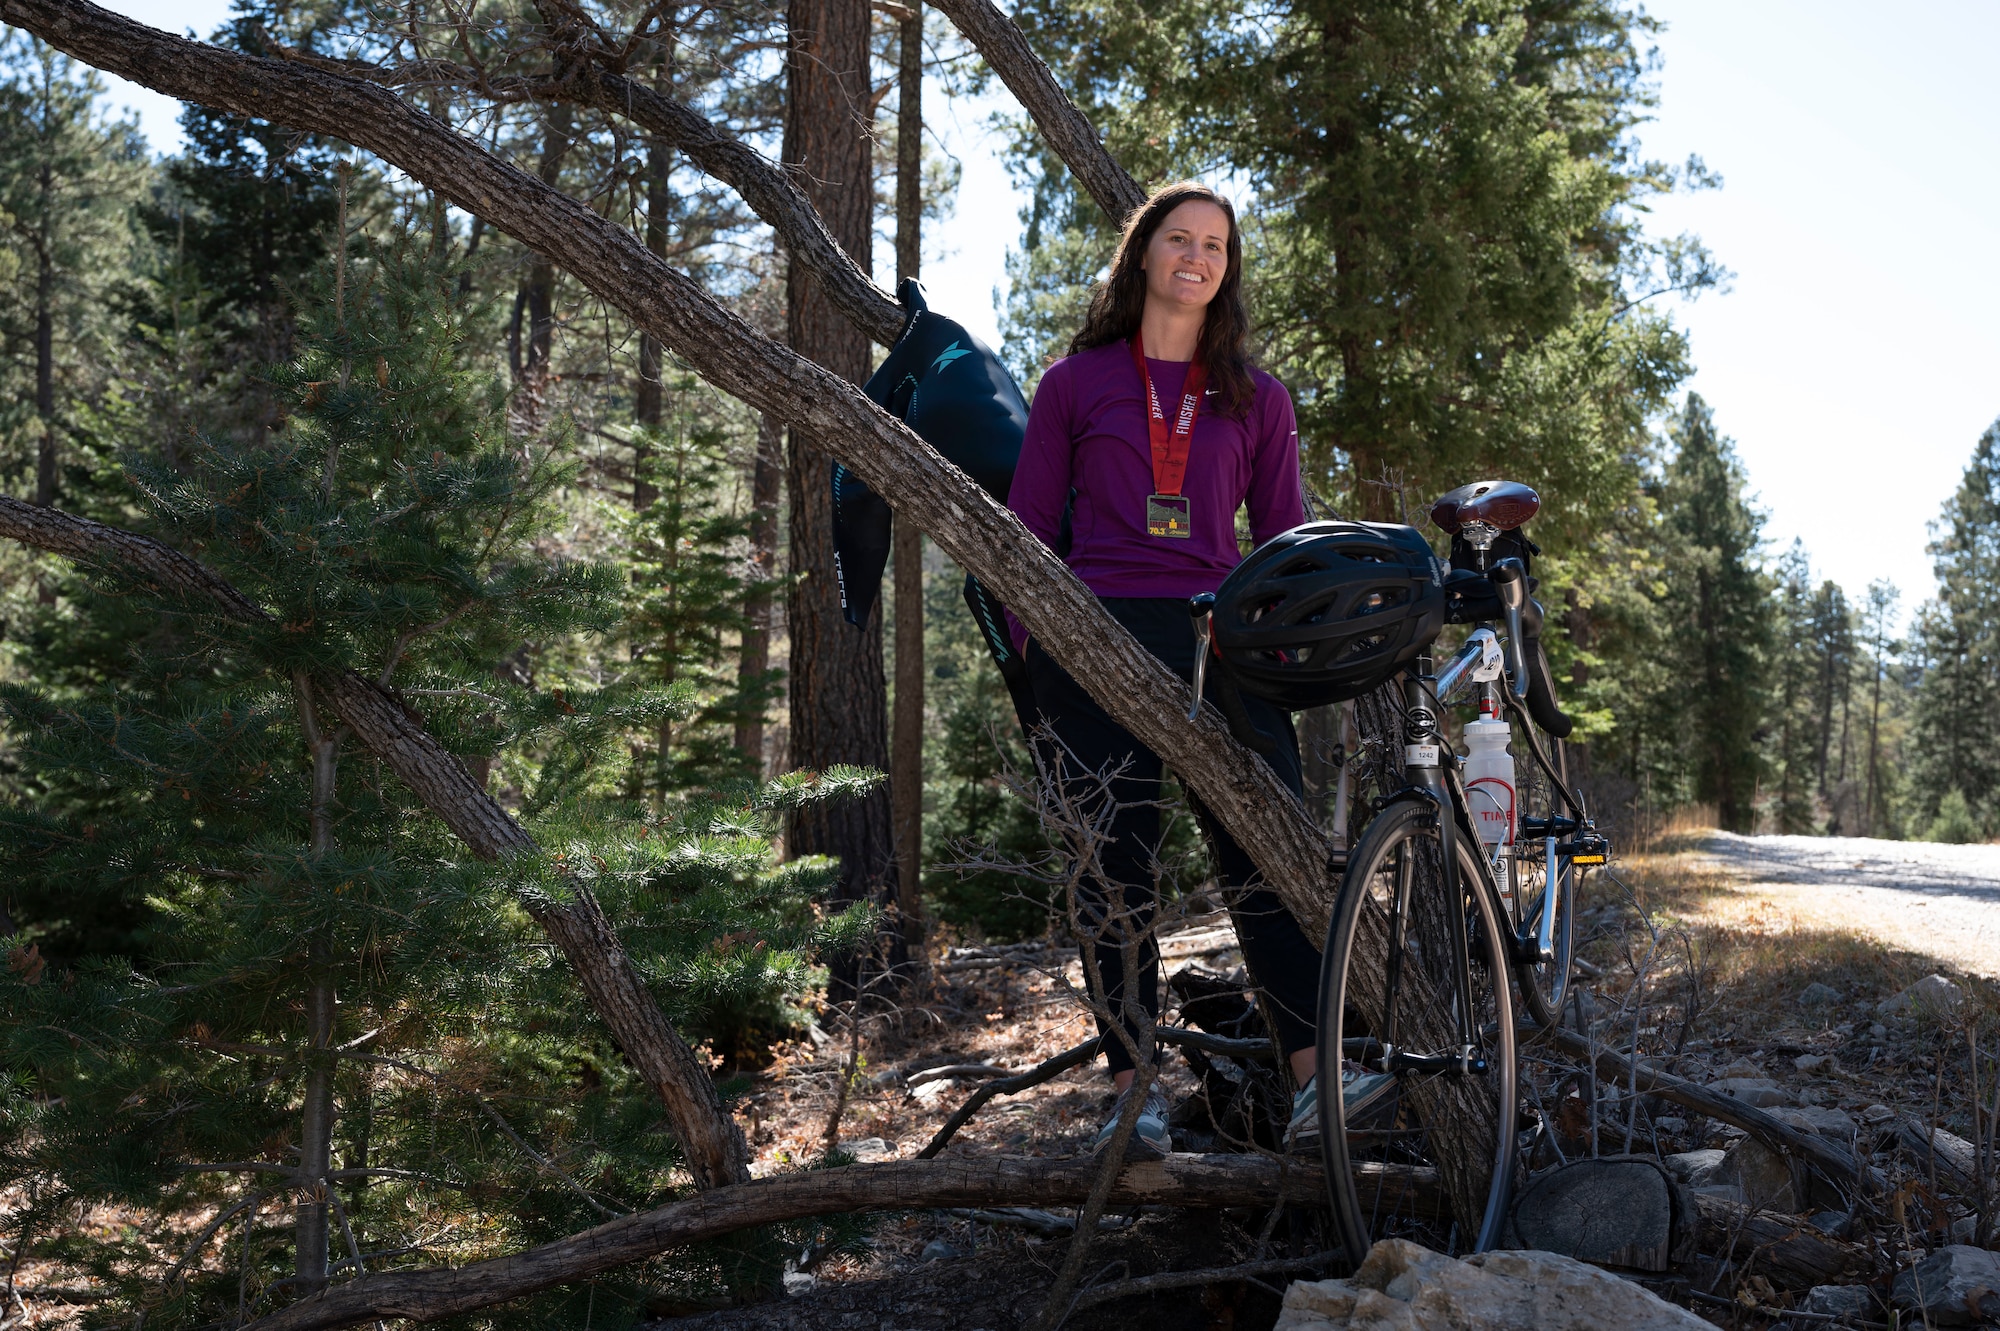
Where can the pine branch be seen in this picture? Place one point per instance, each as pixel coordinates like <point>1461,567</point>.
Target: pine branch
<point>716,1153</point>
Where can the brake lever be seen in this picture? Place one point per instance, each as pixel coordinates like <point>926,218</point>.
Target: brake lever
<point>1202,609</point>
<point>1510,584</point>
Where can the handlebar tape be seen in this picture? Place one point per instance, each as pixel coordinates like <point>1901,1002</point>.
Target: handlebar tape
<point>1542,693</point>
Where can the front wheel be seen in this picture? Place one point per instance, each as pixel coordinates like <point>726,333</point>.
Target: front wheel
<point>1419,1140</point>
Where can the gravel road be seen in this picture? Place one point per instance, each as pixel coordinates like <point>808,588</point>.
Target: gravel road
<point>1943,901</point>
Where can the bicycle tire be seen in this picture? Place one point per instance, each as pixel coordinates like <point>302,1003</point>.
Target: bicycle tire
<point>1544,985</point>
<point>1459,1126</point>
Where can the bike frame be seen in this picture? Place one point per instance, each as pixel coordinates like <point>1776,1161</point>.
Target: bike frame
<point>1427,776</point>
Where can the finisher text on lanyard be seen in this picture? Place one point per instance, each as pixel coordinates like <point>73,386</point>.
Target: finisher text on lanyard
<point>1167,508</point>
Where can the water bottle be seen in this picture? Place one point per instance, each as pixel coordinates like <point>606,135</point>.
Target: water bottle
<point>1489,781</point>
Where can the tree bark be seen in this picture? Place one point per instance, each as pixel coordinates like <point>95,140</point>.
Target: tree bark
<point>714,1147</point>
<point>1793,1254</point>
<point>837,689</point>
<point>1212,1181</point>
<point>647,396</point>
<point>316,1115</point>
<point>1066,129</point>
<point>980,535</point>
<point>906,772</point>
<point>754,655</point>
<point>45,350</point>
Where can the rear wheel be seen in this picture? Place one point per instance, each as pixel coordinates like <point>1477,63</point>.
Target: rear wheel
<point>1544,984</point>
<point>1425,1150</point>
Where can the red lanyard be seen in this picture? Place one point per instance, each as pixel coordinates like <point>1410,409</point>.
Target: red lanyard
<point>1170,447</point>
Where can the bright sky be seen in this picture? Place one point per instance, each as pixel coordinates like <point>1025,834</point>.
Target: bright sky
<point>1857,358</point>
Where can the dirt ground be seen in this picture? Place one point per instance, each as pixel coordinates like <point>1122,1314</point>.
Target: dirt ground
<point>1707,944</point>
<point>1729,956</point>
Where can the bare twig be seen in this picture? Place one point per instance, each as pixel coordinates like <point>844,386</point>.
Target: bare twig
<point>1154,1284</point>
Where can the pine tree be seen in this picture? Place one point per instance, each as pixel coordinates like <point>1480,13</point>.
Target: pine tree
<point>1958,639</point>
<point>1876,806</point>
<point>70,178</point>
<point>693,584</point>
<point>1833,650</point>
<point>1796,671</point>
<point>1719,616</point>
<point>340,1027</point>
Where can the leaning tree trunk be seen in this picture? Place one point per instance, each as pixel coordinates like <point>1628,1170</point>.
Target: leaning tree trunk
<point>839,696</point>
<point>1240,790</point>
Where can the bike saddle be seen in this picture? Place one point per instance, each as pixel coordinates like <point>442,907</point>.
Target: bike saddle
<point>1497,504</point>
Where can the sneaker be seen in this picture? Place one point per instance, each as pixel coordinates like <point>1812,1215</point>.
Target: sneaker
<point>1150,1138</point>
<point>1360,1088</point>
<point>1302,1134</point>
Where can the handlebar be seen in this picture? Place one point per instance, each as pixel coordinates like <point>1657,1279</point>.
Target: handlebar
<point>1475,597</point>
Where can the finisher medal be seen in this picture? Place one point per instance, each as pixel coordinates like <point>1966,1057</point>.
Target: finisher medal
<point>1167,509</point>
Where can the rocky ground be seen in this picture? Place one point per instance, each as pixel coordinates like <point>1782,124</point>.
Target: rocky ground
<point>1742,965</point>
<point>1784,974</point>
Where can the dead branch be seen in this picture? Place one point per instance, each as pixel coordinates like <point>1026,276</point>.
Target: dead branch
<point>1154,1284</point>
<point>1005,47</point>
<point>1192,1181</point>
<point>1047,1070</point>
<point>1609,1066</point>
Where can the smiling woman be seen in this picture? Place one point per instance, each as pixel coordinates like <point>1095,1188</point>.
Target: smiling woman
<point>1140,500</point>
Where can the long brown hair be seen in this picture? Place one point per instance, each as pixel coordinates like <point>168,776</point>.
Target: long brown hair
<point>1120,299</point>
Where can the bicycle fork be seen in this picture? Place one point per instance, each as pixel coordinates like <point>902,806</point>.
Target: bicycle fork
<point>1423,751</point>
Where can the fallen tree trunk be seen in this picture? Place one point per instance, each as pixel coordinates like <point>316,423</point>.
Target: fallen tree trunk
<point>713,1145</point>
<point>1209,1181</point>
<point>1785,1249</point>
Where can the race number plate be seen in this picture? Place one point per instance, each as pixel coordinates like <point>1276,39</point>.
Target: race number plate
<point>1420,755</point>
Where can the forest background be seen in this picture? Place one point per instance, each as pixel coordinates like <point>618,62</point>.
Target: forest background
<point>605,583</point>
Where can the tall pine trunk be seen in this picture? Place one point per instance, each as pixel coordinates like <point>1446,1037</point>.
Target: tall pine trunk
<point>838,692</point>
<point>659,203</point>
<point>754,656</point>
<point>316,1111</point>
<point>45,347</point>
<point>906,772</point>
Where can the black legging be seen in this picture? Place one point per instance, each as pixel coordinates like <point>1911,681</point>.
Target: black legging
<point>1284,965</point>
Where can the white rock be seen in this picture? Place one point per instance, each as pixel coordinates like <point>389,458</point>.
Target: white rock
<point>1695,1168</point>
<point>1758,1092</point>
<point>1764,1176</point>
<point>1823,1065</point>
<point>1877,1114</point>
<point>1933,996</point>
<point>1404,1287</point>
<point>1818,1119</point>
<point>869,1150</point>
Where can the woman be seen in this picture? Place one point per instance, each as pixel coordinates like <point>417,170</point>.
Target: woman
<point>1144,441</point>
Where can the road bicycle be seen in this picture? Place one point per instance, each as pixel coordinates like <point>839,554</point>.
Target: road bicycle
<point>1416,1013</point>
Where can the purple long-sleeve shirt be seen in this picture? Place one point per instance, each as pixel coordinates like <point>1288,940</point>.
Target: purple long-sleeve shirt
<point>1087,431</point>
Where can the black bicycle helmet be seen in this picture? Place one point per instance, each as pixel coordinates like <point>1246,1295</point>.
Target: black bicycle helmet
<point>1328,610</point>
